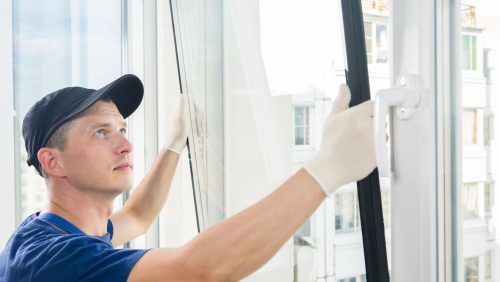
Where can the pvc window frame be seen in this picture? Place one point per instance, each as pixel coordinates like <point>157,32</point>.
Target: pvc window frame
<point>425,229</point>
<point>8,201</point>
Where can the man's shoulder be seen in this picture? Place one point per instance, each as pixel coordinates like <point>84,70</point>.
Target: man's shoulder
<point>31,235</point>
<point>33,230</point>
<point>26,245</point>
<point>36,242</point>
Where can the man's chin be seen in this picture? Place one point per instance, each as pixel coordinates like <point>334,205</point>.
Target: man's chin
<point>120,189</point>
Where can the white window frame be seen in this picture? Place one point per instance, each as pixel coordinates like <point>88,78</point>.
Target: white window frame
<point>420,186</point>
<point>7,170</point>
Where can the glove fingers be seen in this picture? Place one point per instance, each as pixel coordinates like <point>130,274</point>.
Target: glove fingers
<point>341,103</point>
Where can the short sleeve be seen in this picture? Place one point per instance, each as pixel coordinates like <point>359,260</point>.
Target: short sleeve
<point>84,258</point>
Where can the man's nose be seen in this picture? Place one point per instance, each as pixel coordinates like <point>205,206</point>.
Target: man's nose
<point>124,145</point>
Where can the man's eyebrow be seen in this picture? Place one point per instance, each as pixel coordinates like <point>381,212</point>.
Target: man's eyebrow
<point>107,124</point>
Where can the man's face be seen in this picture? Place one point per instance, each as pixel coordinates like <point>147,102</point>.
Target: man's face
<point>98,156</point>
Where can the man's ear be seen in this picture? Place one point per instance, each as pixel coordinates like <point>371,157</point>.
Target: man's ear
<point>51,162</point>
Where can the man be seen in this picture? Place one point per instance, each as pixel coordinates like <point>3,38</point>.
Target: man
<point>76,139</point>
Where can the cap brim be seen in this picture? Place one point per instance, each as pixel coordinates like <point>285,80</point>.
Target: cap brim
<point>126,92</point>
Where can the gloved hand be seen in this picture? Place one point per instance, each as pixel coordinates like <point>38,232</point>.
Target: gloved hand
<point>178,133</point>
<point>347,151</point>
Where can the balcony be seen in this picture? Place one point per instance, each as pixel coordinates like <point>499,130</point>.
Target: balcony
<point>468,15</point>
<point>376,7</point>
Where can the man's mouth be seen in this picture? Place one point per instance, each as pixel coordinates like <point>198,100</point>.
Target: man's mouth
<point>123,166</point>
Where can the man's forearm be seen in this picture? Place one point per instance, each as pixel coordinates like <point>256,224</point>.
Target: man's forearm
<point>148,199</point>
<point>243,243</point>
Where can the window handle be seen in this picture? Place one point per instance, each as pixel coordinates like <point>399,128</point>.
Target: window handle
<point>406,98</point>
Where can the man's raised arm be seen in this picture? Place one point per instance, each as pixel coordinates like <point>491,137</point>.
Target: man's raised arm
<point>149,198</point>
<point>241,244</point>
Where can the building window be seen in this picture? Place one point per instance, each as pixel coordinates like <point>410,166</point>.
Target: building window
<point>488,198</point>
<point>488,127</point>
<point>346,212</point>
<point>469,52</point>
<point>471,269</point>
<point>302,129</point>
<point>376,43</point>
<point>470,126</point>
<point>487,265</point>
<point>362,278</point>
<point>470,200</point>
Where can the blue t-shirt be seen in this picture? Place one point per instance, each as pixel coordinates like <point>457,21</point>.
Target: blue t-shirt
<point>47,247</point>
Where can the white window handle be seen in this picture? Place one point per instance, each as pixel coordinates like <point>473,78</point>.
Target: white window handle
<point>406,97</point>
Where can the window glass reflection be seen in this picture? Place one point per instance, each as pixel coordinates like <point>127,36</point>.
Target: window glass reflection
<point>59,43</point>
<point>479,55</point>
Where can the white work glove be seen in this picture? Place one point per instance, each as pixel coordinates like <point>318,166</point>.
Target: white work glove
<point>178,133</point>
<point>347,151</point>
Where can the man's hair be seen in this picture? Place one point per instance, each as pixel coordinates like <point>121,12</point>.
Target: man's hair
<point>59,139</point>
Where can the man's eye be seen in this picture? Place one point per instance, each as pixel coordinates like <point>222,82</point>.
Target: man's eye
<point>123,131</point>
<point>100,132</point>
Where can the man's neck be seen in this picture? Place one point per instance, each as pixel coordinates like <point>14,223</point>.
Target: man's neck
<point>88,214</point>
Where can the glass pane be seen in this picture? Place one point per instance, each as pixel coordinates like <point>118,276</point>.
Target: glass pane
<point>480,158</point>
<point>59,43</point>
<point>299,116</point>
<point>199,37</point>
<point>306,115</point>
<point>306,133</point>
<point>466,60</point>
<point>473,53</point>
<point>382,44</point>
<point>299,135</point>
<point>278,56</point>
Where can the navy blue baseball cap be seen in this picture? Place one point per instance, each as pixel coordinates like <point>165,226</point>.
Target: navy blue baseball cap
<point>64,105</point>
